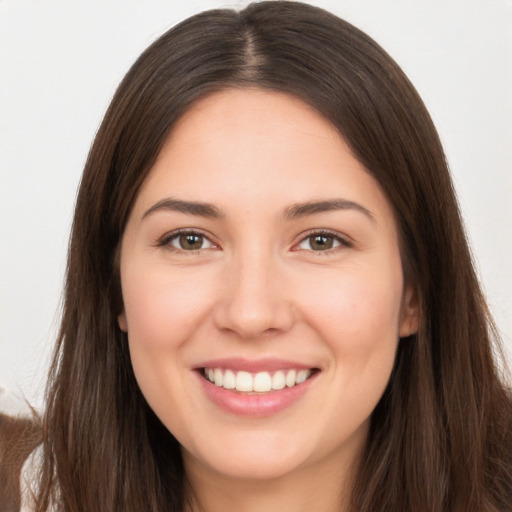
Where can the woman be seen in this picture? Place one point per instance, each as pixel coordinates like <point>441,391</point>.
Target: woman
<point>270,301</point>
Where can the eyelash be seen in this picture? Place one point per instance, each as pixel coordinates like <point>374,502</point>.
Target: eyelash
<point>342,241</point>
<point>166,240</point>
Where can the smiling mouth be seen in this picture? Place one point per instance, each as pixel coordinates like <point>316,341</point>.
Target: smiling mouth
<point>260,382</point>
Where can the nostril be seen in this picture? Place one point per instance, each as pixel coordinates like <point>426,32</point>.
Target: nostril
<point>251,320</point>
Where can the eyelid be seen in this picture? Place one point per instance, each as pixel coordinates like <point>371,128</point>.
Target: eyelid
<point>164,240</point>
<point>344,241</point>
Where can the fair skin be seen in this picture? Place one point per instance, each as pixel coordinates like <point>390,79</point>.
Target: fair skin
<point>293,265</point>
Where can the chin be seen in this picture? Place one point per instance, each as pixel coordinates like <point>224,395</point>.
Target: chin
<point>255,468</point>
<point>262,459</point>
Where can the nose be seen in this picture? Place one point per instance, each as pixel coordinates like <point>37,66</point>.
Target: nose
<point>254,300</point>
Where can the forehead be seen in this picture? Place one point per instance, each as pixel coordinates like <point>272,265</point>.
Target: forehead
<point>242,147</point>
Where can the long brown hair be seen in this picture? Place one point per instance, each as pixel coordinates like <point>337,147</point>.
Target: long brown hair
<point>441,436</point>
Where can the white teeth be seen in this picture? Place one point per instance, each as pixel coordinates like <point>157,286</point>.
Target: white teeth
<point>302,376</point>
<point>217,375</point>
<point>244,381</point>
<point>290,378</point>
<point>278,380</point>
<point>229,380</point>
<point>261,382</point>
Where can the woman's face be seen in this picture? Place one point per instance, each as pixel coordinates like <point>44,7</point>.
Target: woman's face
<point>260,253</point>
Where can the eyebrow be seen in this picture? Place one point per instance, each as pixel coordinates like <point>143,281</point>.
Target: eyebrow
<point>188,207</point>
<point>310,208</point>
<point>294,211</point>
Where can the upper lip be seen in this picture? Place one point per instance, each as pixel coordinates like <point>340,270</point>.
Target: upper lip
<point>253,365</point>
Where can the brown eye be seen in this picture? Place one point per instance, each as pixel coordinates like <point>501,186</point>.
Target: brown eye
<point>189,241</point>
<point>321,242</point>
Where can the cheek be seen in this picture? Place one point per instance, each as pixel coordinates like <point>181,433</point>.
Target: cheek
<point>163,311</point>
<point>359,315</point>
<point>162,307</point>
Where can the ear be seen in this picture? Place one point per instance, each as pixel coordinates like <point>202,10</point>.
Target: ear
<point>121,320</point>
<point>410,314</point>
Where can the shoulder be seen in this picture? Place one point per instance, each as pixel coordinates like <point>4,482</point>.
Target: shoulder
<point>19,436</point>
<point>28,480</point>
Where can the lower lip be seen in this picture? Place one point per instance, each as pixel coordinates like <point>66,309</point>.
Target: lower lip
<point>263,404</point>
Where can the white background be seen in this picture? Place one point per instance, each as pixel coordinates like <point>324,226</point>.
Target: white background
<point>60,62</point>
